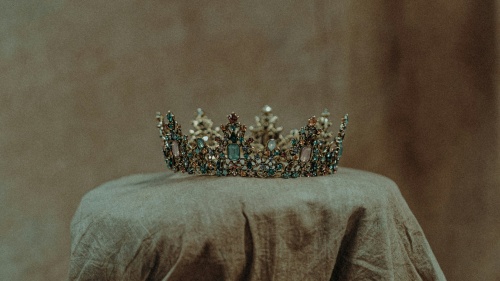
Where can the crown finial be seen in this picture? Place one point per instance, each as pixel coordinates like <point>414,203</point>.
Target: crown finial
<point>233,118</point>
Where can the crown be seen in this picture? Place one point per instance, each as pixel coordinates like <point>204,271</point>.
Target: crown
<point>223,151</point>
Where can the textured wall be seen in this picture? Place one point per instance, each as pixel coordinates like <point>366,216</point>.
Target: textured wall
<point>80,82</point>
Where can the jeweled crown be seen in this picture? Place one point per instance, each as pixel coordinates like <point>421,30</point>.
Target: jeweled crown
<point>310,151</point>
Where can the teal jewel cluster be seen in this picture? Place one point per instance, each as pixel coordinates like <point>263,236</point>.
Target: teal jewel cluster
<point>308,152</point>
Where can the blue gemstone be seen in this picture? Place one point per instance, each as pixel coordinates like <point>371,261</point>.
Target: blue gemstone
<point>233,151</point>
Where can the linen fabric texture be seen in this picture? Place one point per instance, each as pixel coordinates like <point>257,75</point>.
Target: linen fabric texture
<point>353,225</point>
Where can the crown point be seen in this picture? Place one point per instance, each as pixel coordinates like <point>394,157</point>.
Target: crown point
<point>200,112</point>
<point>312,121</point>
<point>232,118</point>
<point>266,109</point>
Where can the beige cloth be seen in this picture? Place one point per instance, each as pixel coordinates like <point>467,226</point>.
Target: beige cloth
<point>350,226</point>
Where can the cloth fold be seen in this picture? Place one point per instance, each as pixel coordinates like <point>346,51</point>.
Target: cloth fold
<point>353,225</point>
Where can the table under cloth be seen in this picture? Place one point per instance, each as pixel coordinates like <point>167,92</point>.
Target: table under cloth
<point>353,225</point>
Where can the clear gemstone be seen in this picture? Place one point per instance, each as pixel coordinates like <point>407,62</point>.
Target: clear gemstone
<point>271,144</point>
<point>175,148</point>
<point>305,154</point>
<point>267,109</point>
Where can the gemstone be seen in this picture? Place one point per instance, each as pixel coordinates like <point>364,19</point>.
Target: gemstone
<point>271,144</point>
<point>271,172</point>
<point>294,141</point>
<point>267,109</point>
<point>170,117</point>
<point>341,150</point>
<point>249,165</point>
<point>305,154</point>
<point>233,137</point>
<point>175,148</point>
<point>279,166</point>
<point>312,121</point>
<point>233,151</point>
<point>200,143</point>
<point>232,117</point>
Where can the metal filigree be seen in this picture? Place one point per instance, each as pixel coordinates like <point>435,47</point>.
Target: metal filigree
<point>310,151</point>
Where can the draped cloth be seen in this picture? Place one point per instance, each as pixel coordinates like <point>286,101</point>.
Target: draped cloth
<point>353,225</point>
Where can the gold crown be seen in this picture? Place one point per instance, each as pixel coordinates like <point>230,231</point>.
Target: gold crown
<point>310,151</point>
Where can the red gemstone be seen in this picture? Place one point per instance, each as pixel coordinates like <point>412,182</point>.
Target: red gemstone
<point>232,118</point>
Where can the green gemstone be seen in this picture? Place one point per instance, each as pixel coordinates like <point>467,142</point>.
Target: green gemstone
<point>294,141</point>
<point>279,166</point>
<point>233,151</point>
<point>341,150</point>
<point>197,150</point>
<point>170,117</point>
<point>285,175</point>
<point>200,143</point>
<point>246,155</point>
<point>249,165</point>
<point>295,175</point>
<point>271,172</point>
<point>276,152</point>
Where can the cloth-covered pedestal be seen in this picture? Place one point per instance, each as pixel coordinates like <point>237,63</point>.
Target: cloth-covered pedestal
<point>353,225</point>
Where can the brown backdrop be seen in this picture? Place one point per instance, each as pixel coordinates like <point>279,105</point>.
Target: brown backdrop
<point>80,82</point>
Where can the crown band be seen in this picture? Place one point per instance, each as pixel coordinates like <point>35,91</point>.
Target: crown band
<point>310,151</point>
